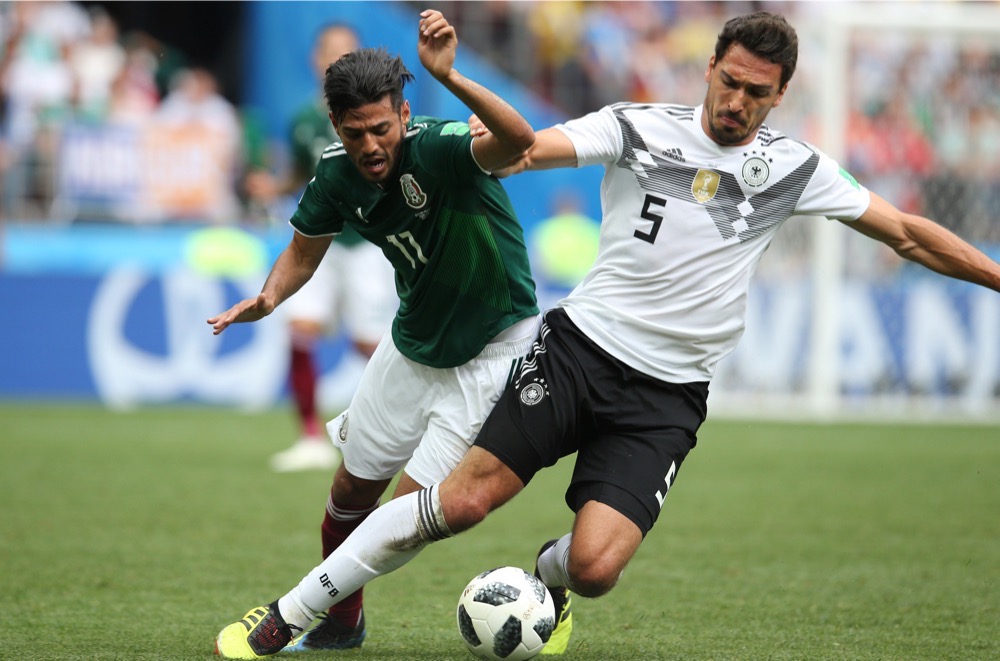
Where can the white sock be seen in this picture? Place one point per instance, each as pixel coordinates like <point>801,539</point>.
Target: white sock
<point>553,563</point>
<point>390,537</point>
<point>294,612</point>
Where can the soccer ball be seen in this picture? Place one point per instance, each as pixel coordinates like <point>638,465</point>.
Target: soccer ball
<point>505,613</point>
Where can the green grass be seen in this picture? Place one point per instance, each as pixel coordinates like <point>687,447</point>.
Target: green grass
<point>139,535</point>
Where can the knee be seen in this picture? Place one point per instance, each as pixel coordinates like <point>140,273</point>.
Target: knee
<point>480,484</point>
<point>465,508</point>
<point>351,491</point>
<point>593,576</point>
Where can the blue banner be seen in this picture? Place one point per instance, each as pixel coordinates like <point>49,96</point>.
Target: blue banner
<point>129,337</point>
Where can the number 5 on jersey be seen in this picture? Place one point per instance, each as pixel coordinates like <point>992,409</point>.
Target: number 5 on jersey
<point>649,215</point>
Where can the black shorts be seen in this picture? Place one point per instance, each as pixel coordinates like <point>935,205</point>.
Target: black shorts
<point>631,432</point>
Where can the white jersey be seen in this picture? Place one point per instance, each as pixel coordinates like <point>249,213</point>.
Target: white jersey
<point>685,222</point>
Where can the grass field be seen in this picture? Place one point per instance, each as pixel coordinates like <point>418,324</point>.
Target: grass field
<point>139,535</point>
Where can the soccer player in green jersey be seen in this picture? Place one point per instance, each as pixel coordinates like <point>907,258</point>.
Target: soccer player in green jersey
<point>420,188</point>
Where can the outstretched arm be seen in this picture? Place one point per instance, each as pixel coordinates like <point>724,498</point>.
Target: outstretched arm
<point>925,242</point>
<point>552,149</point>
<point>293,268</point>
<point>510,134</point>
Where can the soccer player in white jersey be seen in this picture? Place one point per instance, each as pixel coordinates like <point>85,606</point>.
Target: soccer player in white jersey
<point>619,373</point>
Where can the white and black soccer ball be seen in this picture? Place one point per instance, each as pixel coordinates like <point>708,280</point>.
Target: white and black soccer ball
<point>505,613</point>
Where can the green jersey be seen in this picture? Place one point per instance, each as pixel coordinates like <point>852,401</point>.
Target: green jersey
<point>450,232</point>
<point>312,132</point>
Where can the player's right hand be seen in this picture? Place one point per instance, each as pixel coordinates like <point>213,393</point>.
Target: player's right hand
<point>250,309</point>
<point>436,43</point>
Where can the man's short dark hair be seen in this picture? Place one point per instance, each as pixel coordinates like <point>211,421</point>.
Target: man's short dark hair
<point>363,77</point>
<point>764,34</point>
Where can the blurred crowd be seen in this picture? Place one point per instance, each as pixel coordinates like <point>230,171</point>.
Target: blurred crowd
<point>923,112</point>
<point>96,124</point>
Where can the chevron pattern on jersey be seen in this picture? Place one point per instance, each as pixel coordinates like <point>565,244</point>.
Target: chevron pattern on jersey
<point>674,180</point>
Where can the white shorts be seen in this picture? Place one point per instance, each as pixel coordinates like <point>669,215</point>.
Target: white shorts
<point>353,289</point>
<point>424,418</point>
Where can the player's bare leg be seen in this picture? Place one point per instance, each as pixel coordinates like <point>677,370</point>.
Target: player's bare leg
<point>604,540</point>
<point>478,485</point>
<point>588,561</point>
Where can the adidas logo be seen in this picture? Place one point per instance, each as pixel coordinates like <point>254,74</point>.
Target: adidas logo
<point>674,154</point>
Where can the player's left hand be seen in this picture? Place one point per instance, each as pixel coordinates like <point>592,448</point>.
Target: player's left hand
<point>476,126</point>
<point>437,43</point>
<point>250,309</point>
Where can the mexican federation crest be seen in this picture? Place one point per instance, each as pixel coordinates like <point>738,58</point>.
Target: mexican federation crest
<point>337,428</point>
<point>342,433</point>
<point>755,171</point>
<point>705,185</point>
<point>412,192</point>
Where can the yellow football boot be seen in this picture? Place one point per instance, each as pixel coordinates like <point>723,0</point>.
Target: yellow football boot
<point>260,633</point>
<point>563,604</point>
